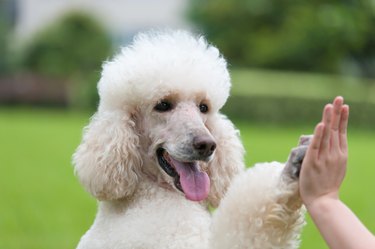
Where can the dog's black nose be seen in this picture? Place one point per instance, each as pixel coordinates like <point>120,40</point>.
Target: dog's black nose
<point>204,145</point>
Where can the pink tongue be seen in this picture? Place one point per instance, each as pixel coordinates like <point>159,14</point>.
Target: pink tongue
<point>195,184</point>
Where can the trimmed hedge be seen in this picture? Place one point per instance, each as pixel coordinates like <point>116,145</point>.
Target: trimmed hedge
<point>293,110</point>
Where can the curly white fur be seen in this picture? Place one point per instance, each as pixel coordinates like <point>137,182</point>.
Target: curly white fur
<point>140,204</point>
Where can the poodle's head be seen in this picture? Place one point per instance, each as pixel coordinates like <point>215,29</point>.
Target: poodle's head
<point>158,119</point>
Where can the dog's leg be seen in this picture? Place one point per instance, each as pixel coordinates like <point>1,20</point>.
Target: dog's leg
<point>262,208</point>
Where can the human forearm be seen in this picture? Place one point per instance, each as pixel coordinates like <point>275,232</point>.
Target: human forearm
<point>339,226</point>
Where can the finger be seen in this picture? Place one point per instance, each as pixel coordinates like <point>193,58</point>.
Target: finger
<point>327,119</point>
<point>316,141</point>
<point>343,127</point>
<point>336,115</point>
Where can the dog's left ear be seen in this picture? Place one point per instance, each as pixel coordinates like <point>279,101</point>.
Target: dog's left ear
<point>228,160</point>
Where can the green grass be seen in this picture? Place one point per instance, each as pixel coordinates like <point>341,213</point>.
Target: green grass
<point>43,206</point>
<point>302,85</point>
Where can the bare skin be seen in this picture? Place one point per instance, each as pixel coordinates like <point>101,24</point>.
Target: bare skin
<point>323,170</point>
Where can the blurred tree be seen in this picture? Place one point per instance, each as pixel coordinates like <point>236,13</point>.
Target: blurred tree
<point>316,35</point>
<point>72,48</point>
<point>7,19</point>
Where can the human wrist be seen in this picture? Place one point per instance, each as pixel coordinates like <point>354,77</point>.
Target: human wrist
<point>322,205</point>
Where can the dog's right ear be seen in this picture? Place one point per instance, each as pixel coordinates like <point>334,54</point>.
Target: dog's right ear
<point>107,162</point>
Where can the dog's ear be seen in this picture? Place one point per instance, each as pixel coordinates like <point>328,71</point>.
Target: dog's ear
<point>228,160</point>
<point>107,161</point>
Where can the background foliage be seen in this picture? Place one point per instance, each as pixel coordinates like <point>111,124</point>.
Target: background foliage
<point>327,36</point>
<point>6,25</point>
<point>73,48</point>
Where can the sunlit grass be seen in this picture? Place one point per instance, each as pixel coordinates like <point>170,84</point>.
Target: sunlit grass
<point>303,85</point>
<point>42,204</point>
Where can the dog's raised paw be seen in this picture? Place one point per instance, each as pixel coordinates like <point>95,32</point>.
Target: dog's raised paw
<point>296,156</point>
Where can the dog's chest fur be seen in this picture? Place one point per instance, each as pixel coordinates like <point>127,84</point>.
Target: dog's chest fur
<point>162,220</point>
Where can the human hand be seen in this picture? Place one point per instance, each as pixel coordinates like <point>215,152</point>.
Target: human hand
<point>324,166</point>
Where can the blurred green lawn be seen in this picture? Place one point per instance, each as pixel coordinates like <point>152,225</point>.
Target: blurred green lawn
<point>258,82</point>
<point>43,206</point>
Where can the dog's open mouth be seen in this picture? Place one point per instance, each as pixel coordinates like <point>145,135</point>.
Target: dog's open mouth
<point>194,183</point>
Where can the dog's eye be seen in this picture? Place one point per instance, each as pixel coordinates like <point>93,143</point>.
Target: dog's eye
<point>163,106</point>
<point>203,108</point>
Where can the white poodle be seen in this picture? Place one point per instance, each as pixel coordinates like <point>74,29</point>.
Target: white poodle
<point>157,154</point>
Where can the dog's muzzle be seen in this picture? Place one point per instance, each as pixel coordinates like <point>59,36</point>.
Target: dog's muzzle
<point>194,183</point>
